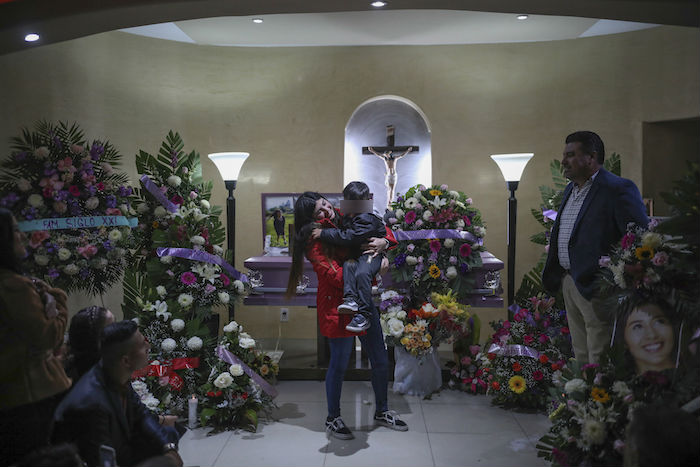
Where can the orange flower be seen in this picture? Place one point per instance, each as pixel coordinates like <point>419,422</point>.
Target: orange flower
<point>517,367</point>
<point>496,385</point>
<point>155,224</point>
<point>544,359</point>
<point>600,395</point>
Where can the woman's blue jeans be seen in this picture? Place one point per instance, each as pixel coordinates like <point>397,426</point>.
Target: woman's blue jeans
<point>340,349</point>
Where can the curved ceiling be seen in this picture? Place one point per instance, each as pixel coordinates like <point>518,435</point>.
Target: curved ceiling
<point>62,20</point>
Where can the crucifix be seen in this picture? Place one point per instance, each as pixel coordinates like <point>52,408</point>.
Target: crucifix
<point>389,154</point>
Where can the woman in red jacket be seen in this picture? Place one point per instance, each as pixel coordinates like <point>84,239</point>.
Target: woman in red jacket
<point>313,210</point>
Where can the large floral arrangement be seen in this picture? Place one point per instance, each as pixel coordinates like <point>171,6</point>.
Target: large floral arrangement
<point>649,264</point>
<point>467,371</point>
<point>523,354</point>
<point>66,193</point>
<point>181,275</point>
<point>440,237</point>
<point>233,397</point>
<point>419,330</point>
<point>593,406</point>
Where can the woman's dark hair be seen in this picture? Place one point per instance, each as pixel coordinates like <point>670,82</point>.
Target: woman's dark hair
<point>590,143</point>
<point>8,259</point>
<point>356,191</point>
<point>84,340</point>
<point>304,223</point>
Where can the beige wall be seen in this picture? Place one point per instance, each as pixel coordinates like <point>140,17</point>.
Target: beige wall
<point>288,107</point>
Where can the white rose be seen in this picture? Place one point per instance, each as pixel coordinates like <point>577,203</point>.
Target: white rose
<point>35,200</point>
<point>395,327</point>
<point>142,208</point>
<point>115,235</point>
<point>231,327</point>
<point>453,194</point>
<point>460,223</point>
<point>91,203</point>
<point>411,260</point>
<point>218,250</point>
<point>451,272</point>
<point>194,343</point>
<point>99,263</point>
<point>177,325</point>
<point>184,300</point>
<point>42,152</point>
<point>224,297</point>
<point>480,231</point>
<point>246,342</point>
<point>449,243</point>
<point>198,215</point>
<point>224,380</point>
<point>23,184</point>
<point>386,295</point>
<point>204,203</point>
<point>71,269</point>
<point>160,290</point>
<point>401,314</point>
<point>238,286</point>
<point>235,370</point>
<point>166,259</point>
<point>575,385</point>
<point>651,239</point>
<point>63,254</point>
<point>399,214</point>
<point>198,240</point>
<point>168,345</point>
<point>160,211</point>
<point>174,180</point>
<point>427,215</point>
<point>41,260</point>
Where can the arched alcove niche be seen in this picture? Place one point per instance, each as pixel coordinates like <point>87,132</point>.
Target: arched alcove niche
<point>368,127</point>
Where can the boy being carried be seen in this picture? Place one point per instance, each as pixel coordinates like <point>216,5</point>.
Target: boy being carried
<point>358,225</point>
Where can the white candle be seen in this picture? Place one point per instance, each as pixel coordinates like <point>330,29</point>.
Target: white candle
<point>192,418</point>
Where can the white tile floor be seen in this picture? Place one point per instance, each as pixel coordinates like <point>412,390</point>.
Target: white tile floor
<point>451,429</point>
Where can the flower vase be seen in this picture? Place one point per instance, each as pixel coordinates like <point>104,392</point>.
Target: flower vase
<point>416,376</point>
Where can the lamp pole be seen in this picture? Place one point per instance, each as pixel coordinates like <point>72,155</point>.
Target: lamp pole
<point>229,165</point>
<point>512,166</point>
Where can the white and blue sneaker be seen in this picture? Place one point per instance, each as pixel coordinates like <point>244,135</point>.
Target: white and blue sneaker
<point>358,324</point>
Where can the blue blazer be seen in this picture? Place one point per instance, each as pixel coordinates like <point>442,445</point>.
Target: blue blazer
<point>612,203</point>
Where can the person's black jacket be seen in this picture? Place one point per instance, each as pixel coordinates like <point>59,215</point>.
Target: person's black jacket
<point>93,414</point>
<point>355,231</point>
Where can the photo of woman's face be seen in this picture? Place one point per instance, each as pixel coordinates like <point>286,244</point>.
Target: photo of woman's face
<point>649,338</point>
<point>324,209</point>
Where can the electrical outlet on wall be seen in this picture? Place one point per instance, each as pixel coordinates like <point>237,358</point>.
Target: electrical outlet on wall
<point>284,314</point>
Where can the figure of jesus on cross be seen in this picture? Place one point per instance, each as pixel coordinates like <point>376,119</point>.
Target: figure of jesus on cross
<point>390,155</point>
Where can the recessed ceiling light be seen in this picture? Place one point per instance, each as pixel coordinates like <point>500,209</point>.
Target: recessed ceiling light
<point>378,4</point>
<point>522,16</point>
<point>257,20</point>
<point>31,37</point>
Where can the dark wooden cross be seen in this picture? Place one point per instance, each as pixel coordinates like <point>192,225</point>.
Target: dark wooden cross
<point>389,154</point>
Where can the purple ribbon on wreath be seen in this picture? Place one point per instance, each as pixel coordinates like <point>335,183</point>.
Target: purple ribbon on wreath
<point>231,359</point>
<point>514,350</point>
<point>157,194</point>
<point>425,234</point>
<point>203,256</point>
<point>550,214</point>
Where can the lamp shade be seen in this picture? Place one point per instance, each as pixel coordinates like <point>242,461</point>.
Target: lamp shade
<point>512,165</point>
<point>229,163</point>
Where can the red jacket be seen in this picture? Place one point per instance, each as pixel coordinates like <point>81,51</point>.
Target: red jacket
<point>330,288</point>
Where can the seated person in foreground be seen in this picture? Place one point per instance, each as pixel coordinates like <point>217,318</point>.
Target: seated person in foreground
<point>103,409</point>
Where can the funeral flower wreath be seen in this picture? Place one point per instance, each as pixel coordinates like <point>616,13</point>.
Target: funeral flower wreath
<point>67,195</point>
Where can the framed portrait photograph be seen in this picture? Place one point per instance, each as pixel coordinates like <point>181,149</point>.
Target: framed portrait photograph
<point>278,219</point>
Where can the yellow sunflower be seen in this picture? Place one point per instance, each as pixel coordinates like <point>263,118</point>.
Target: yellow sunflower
<point>600,395</point>
<point>644,252</point>
<point>435,192</point>
<point>517,384</point>
<point>434,271</point>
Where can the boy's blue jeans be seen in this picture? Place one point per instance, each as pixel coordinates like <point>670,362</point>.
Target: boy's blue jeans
<point>357,281</point>
<point>340,348</point>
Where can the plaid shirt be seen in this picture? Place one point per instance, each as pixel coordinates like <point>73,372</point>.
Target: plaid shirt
<point>567,219</point>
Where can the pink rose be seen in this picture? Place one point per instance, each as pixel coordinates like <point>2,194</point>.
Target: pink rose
<point>419,222</point>
<point>660,258</point>
<point>87,251</point>
<point>193,195</point>
<point>37,238</point>
<point>466,361</point>
<point>113,211</point>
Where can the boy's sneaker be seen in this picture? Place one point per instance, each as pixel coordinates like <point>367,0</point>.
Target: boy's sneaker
<point>336,427</point>
<point>358,324</point>
<point>348,307</point>
<point>390,419</point>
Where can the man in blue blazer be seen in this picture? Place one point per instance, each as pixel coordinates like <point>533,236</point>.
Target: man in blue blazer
<point>103,409</point>
<point>592,218</point>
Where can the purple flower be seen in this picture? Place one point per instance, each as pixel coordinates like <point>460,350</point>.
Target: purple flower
<point>85,273</point>
<point>188,278</point>
<point>604,261</point>
<point>107,245</point>
<point>124,191</point>
<point>20,156</point>
<point>400,260</point>
<point>453,260</point>
<point>111,201</point>
<point>411,247</point>
<point>209,289</point>
<point>463,269</point>
<point>53,273</point>
<point>96,150</point>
